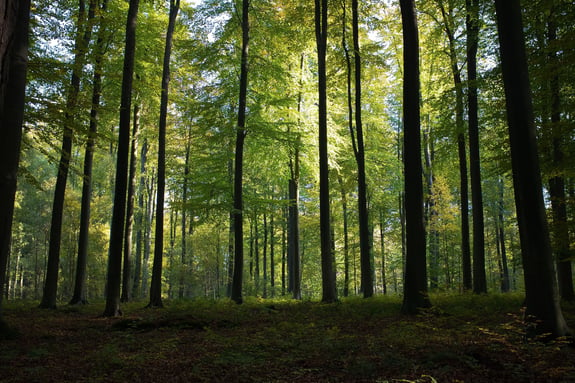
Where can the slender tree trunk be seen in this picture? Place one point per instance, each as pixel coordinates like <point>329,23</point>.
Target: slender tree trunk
<point>472,21</point>
<point>382,247</point>
<point>156,284</point>
<point>479,284</point>
<point>415,286</point>
<point>183,260</point>
<point>345,238</point>
<point>238,172</point>
<point>127,279</point>
<point>505,285</point>
<point>543,311</point>
<point>136,285</point>
<point>430,212</point>
<point>560,227</point>
<point>15,16</point>
<point>79,295</point>
<point>83,36</point>
<point>119,211</point>
<point>329,293</point>
<point>272,256</point>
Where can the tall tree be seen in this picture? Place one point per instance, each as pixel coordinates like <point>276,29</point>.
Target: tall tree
<point>472,22</point>
<point>329,293</point>
<point>83,36</point>
<point>543,311</point>
<point>557,195</point>
<point>156,284</point>
<point>15,16</point>
<point>114,275</point>
<point>127,280</point>
<point>238,170</point>
<point>79,295</point>
<point>415,286</point>
<point>479,283</point>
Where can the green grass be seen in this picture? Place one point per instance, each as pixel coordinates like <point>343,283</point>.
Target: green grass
<point>463,338</point>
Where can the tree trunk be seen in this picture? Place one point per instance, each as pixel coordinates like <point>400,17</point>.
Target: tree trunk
<point>415,286</point>
<point>238,172</point>
<point>472,21</point>
<point>560,227</point>
<point>119,211</point>
<point>156,284</point>
<point>83,35</point>
<point>15,16</point>
<point>136,285</point>
<point>127,279</point>
<point>329,293</point>
<point>543,311</point>
<point>345,238</point>
<point>79,295</point>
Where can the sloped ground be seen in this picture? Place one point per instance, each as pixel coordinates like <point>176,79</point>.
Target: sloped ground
<point>463,339</point>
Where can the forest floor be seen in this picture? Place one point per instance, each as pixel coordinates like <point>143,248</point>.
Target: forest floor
<point>462,339</point>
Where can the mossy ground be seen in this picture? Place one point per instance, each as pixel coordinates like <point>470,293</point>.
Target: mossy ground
<point>466,338</point>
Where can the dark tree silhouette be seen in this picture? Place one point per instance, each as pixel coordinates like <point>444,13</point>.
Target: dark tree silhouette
<point>543,311</point>
<point>114,275</point>
<point>15,16</point>
<point>329,293</point>
<point>79,295</point>
<point>156,284</point>
<point>83,36</point>
<point>238,171</point>
<point>415,286</point>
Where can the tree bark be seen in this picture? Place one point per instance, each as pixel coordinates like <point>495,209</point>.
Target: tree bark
<point>83,35</point>
<point>79,295</point>
<point>415,286</point>
<point>13,68</point>
<point>560,227</point>
<point>156,283</point>
<point>543,311</point>
<point>238,171</point>
<point>114,274</point>
<point>127,279</point>
<point>329,293</point>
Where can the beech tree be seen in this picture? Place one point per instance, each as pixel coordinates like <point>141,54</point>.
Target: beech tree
<point>238,169</point>
<point>415,279</point>
<point>543,311</point>
<point>14,62</point>
<point>114,275</point>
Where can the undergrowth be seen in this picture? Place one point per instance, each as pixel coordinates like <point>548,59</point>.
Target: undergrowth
<point>463,338</point>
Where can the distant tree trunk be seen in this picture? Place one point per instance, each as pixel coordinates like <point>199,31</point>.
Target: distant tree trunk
<point>415,286</point>
<point>127,280</point>
<point>119,211</point>
<point>430,212</point>
<point>265,257</point>
<point>560,227</point>
<point>15,16</point>
<point>238,172</point>
<point>83,35</point>
<point>136,285</point>
<point>543,311</point>
<point>345,238</point>
<point>272,256</point>
<point>505,285</point>
<point>479,283</point>
<point>183,257</point>
<point>156,284</point>
<point>382,247</point>
<point>79,295</point>
<point>329,293</point>
<point>231,236</point>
